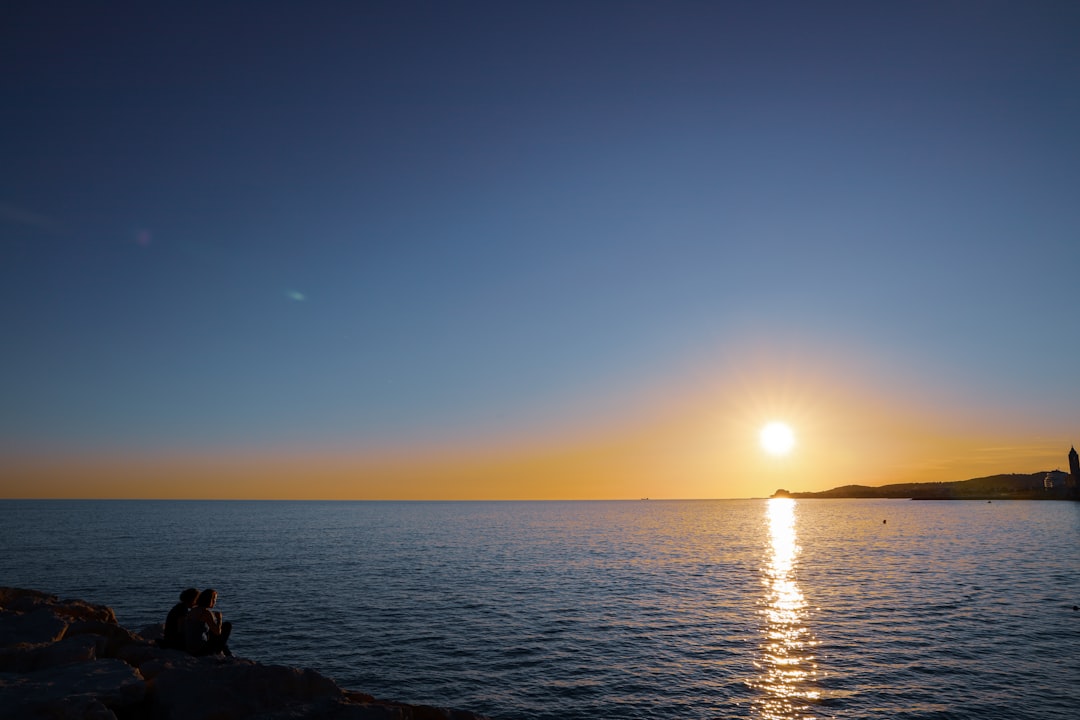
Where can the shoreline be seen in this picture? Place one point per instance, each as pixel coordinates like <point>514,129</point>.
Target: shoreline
<point>71,660</point>
<point>1043,485</point>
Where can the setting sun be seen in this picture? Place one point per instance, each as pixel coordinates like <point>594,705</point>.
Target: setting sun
<point>777,438</point>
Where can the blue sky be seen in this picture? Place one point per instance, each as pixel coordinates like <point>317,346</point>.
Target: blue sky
<point>242,225</point>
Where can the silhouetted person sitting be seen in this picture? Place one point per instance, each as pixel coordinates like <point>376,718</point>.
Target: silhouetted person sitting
<point>204,632</point>
<point>174,621</point>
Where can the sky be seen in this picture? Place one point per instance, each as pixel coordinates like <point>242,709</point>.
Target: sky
<point>534,250</point>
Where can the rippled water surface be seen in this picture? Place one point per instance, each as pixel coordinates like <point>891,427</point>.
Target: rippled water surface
<point>696,609</point>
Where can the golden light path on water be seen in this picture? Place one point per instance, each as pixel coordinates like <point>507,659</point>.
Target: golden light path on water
<point>787,664</point>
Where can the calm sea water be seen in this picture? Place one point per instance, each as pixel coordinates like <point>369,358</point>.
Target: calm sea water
<point>544,610</point>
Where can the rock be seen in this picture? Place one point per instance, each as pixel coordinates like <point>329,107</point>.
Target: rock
<point>31,658</point>
<point>70,691</point>
<point>30,628</point>
<point>71,660</point>
<point>150,659</point>
<point>115,637</point>
<point>153,633</point>
<point>22,601</point>
<point>232,687</point>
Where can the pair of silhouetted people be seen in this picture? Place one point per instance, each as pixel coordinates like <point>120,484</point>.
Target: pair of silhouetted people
<point>193,625</point>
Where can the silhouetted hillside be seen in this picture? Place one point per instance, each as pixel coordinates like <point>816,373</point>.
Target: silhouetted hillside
<point>1013,486</point>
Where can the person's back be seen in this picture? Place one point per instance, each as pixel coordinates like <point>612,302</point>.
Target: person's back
<point>196,632</point>
<point>175,627</point>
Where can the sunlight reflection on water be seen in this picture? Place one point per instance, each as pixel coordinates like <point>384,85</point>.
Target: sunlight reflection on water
<point>787,663</point>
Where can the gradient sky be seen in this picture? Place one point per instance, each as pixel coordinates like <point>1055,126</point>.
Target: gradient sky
<point>535,249</point>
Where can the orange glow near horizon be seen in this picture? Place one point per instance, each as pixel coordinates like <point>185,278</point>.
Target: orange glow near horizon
<point>699,440</point>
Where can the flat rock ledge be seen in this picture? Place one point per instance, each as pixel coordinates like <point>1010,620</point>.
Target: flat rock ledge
<point>71,660</point>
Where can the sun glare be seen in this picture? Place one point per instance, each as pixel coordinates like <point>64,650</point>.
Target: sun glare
<point>777,438</point>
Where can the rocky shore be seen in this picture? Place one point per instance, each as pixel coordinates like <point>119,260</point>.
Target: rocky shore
<point>71,660</point>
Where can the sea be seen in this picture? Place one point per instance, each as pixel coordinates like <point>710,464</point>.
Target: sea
<point>771,609</point>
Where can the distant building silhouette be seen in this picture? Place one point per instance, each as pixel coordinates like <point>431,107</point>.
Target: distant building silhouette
<point>1057,479</point>
<point>1074,472</point>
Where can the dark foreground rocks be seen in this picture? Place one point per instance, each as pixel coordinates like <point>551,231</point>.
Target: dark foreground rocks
<point>70,660</point>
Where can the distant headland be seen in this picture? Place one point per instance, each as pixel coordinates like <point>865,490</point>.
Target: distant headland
<point>1046,485</point>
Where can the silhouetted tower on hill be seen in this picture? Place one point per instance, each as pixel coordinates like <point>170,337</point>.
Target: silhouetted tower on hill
<point>1074,471</point>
